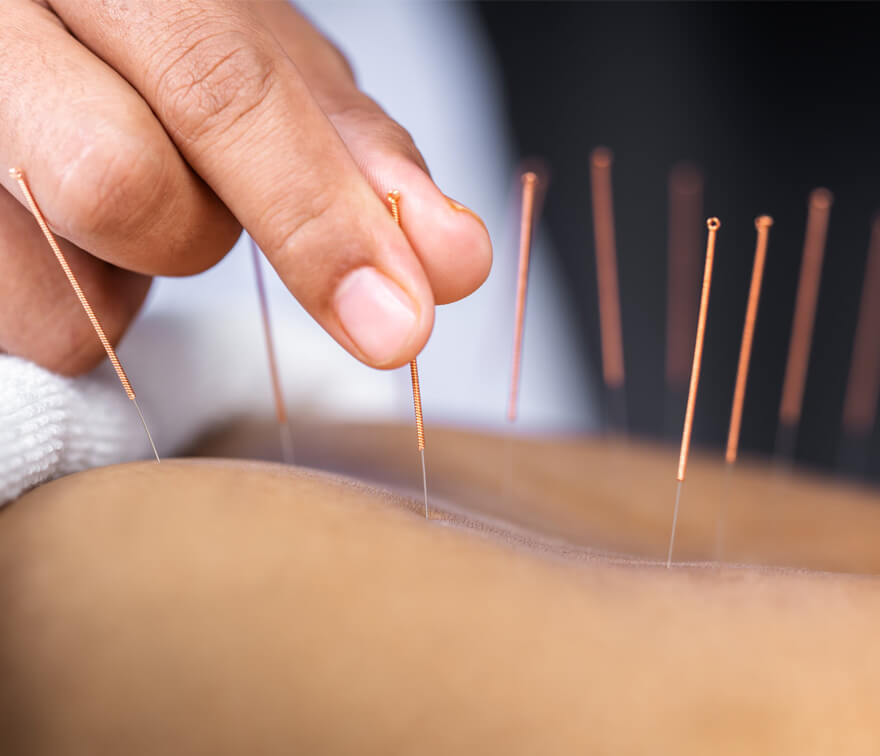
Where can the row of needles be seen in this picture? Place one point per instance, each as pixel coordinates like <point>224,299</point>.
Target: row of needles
<point>286,439</point>
<point>685,187</point>
<point>685,207</point>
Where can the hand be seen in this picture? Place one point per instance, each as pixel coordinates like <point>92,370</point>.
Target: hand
<point>150,129</point>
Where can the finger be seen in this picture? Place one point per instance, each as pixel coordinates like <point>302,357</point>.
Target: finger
<point>40,317</point>
<point>242,116</point>
<point>451,241</point>
<point>105,173</point>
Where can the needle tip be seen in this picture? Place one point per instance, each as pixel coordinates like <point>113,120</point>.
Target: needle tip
<point>146,429</point>
<point>15,173</point>
<point>674,524</point>
<point>286,433</point>
<point>424,481</point>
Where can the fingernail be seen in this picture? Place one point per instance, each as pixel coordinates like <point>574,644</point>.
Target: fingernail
<point>463,209</point>
<point>376,314</point>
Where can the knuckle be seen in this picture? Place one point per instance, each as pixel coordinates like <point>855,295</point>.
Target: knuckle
<point>68,348</point>
<point>77,350</point>
<point>113,185</point>
<point>396,136</point>
<point>300,230</point>
<point>73,347</point>
<point>365,116</point>
<point>213,80</point>
<point>400,140</point>
<point>340,61</point>
<point>205,246</point>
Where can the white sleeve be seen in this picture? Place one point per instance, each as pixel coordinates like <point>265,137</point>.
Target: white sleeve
<point>51,425</point>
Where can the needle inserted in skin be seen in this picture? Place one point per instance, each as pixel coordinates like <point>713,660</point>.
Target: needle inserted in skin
<point>394,201</point>
<point>804,316</point>
<point>529,183</point>
<point>713,224</point>
<point>19,177</point>
<point>280,407</point>
<point>606,273</point>
<point>762,224</point>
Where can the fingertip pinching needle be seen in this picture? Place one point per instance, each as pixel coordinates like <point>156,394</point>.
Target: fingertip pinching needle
<point>394,201</point>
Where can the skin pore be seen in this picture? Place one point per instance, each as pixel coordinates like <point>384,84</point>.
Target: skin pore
<point>222,606</point>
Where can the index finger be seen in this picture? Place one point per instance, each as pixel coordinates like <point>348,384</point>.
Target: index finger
<point>244,119</point>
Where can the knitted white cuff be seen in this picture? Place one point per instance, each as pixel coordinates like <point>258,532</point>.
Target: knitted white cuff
<point>51,425</point>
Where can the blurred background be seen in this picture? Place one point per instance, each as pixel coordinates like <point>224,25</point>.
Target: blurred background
<point>768,101</point>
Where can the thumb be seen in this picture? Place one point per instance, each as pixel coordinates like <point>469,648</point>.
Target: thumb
<point>450,240</point>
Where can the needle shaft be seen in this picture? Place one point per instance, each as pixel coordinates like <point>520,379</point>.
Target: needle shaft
<point>529,184</point>
<point>285,434</point>
<point>674,524</point>
<point>713,224</point>
<point>394,201</point>
<point>19,177</point>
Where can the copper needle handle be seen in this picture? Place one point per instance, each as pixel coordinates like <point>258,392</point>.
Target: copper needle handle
<point>713,224</point>
<point>529,183</point>
<point>19,177</point>
<point>762,224</point>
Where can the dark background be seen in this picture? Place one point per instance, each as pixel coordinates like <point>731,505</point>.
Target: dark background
<point>771,101</point>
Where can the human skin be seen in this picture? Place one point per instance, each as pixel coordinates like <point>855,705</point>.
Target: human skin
<point>212,606</point>
<point>152,130</point>
<point>605,495</point>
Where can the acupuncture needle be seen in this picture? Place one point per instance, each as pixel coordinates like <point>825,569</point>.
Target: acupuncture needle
<point>394,200</point>
<point>529,184</point>
<point>712,224</point>
<point>285,434</point>
<point>791,404</point>
<point>610,329</point>
<point>863,383</point>
<point>18,175</point>
<point>762,225</point>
